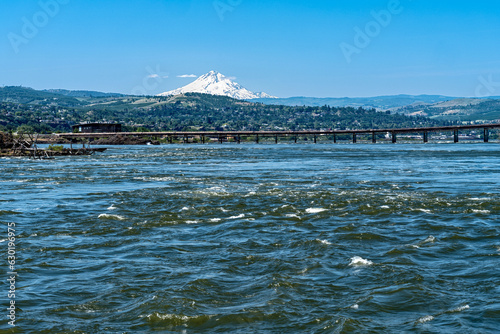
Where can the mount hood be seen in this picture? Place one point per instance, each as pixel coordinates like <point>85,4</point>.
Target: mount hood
<point>215,83</point>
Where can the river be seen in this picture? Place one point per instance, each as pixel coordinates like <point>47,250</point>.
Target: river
<point>254,238</point>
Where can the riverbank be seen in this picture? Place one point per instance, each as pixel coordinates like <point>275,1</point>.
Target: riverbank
<point>48,153</point>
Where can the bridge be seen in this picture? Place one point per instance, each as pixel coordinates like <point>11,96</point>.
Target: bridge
<point>236,136</point>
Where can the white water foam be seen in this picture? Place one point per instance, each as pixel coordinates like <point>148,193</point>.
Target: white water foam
<point>359,261</point>
<point>461,308</point>
<point>168,316</point>
<point>315,210</point>
<point>107,216</point>
<point>430,239</point>
<point>237,217</point>
<point>112,207</point>
<point>479,199</point>
<point>215,220</point>
<point>325,242</point>
<point>425,319</point>
<point>162,179</point>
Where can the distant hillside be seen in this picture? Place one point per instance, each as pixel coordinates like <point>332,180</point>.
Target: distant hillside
<point>465,109</point>
<point>81,93</point>
<point>49,112</point>
<point>16,94</point>
<point>379,102</point>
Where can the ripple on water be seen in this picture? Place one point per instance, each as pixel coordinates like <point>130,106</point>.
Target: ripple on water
<point>238,239</point>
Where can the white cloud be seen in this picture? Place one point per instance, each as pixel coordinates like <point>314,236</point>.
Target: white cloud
<point>154,76</point>
<point>187,76</point>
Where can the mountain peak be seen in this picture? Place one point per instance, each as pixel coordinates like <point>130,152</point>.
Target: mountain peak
<point>214,76</point>
<point>215,83</point>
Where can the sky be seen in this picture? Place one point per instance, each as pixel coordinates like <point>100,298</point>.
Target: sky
<point>332,48</point>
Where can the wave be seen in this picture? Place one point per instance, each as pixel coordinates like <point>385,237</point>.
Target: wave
<point>461,308</point>
<point>237,217</point>
<point>360,262</point>
<point>315,210</point>
<point>111,217</point>
<point>425,319</point>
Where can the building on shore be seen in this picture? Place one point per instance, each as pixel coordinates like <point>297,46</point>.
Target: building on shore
<point>97,128</point>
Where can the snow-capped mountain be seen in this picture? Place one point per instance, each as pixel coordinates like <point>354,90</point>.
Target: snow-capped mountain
<point>217,84</point>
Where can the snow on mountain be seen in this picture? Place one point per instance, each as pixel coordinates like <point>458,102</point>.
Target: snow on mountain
<point>217,84</point>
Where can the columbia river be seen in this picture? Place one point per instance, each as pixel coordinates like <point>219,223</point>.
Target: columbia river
<point>256,239</point>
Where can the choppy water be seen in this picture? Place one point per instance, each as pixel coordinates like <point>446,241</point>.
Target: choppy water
<point>257,239</point>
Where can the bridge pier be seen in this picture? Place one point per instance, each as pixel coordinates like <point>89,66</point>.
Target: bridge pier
<point>486,135</point>
<point>335,139</point>
<point>354,138</point>
<point>276,139</point>
<point>257,139</point>
<point>315,139</point>
<point>426,137</point>
<point>455,136</point>
<point>374,138</point>
<point>295,139</point>
<point>394,137</point>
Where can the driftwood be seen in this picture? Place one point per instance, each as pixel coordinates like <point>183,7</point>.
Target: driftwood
<point>25,145</point>
<point>37,153</point>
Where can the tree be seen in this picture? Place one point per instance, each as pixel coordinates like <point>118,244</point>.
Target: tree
<point>28,129</point>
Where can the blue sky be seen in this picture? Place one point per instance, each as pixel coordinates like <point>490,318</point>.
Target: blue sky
<point>285,48</point>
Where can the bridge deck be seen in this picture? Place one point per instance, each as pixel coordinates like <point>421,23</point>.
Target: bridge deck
<point>453,128</point>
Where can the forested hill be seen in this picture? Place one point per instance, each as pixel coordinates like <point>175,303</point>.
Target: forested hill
<point>54,112</point>
<point>25,95</point>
